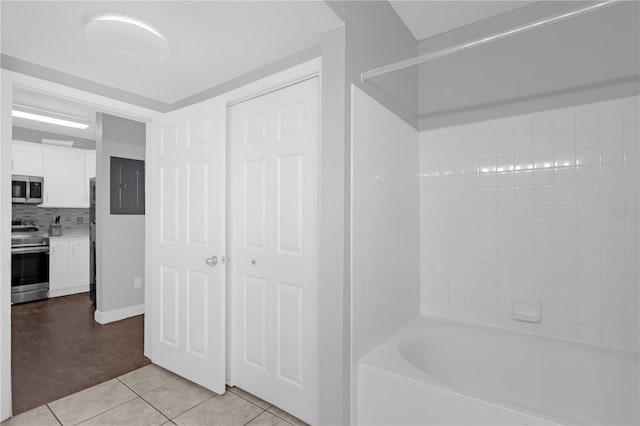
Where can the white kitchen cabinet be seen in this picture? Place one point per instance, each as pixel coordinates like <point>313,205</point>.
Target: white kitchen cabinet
<point>79,261</point>
<point>89,172</point>
<point>26,159</point>
<point>64,173</point>
<point>58,264</point>
<point>68,265</point>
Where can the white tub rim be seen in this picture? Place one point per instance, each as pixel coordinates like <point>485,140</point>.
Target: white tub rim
<point>404,343</point>
<point>388,361</point>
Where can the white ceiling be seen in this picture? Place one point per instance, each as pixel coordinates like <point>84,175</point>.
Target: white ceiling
<point>57,105</point>
<point>211,42</point>
<point>427,18</point>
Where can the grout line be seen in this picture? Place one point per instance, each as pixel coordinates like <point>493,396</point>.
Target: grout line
<point>285,420</point>
<point>255,417</point>
<point>54,414</point>
<point>151,390</point>
<point>163,385</point>
<point>215,395</point>
<point>131,389</point>
<point>248,400</point>
<point>105,411</point>
<point>142,398</point>
<point>264,409</point>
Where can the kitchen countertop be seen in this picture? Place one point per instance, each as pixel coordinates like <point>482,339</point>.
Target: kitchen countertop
<point>77,232</point>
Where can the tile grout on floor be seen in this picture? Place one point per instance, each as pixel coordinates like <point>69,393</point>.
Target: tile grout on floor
<point>258,415</point>
<point>53,414</point>
<point>96,415</point>
<point>142,398</point>
<point>248,400</point>
<point>284,420</point>
<point>138,397</point>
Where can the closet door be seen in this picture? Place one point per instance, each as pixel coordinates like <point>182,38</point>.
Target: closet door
<point>273,141</point>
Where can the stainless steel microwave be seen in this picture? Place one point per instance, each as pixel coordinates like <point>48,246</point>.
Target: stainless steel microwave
<point>26,189</point>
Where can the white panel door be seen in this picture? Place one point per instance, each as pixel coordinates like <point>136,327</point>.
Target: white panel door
<point>273,142</point>
<point>187,181</point>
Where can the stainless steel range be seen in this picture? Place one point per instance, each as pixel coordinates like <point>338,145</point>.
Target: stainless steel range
<point>29,262</point>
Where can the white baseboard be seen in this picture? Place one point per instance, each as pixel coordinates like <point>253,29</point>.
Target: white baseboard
<point>68,290</point>
<point>118,314</point>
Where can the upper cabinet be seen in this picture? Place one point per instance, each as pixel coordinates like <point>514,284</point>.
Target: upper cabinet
<point>90,164</point>
<point>64,178</point>
<point>66,172</point>
<point>26,159</point>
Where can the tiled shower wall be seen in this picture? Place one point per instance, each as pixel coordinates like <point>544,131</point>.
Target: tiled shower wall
<point>68,217</point>
<point>385,245</point>
<point>541,207</point>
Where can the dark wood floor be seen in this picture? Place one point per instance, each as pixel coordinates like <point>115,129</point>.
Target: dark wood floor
<point>58,349</point>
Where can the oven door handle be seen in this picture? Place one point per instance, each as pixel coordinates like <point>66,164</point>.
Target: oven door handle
<point>28,250</point>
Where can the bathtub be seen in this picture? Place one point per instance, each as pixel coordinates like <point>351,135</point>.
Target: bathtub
<point>440,372</point>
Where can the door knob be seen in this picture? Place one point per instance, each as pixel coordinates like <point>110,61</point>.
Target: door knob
<point>212,261</point>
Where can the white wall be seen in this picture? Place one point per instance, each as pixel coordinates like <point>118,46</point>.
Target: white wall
<point>540,206</point>
<point>384,211</point>
<point>120,238</point>
<point>333,287</point>
<point>6,100</point>
<point>588,58</point>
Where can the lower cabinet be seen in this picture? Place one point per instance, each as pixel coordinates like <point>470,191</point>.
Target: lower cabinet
<point>68,265</point>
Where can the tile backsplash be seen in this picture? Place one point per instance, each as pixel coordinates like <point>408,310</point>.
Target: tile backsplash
<point>542,207</point>
<point>68,217</point>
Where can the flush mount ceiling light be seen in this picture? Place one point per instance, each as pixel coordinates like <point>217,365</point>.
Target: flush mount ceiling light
<point>127,38</point>
<point>48,117</point>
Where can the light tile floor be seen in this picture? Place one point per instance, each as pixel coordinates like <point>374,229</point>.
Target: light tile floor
<point>154,396</point>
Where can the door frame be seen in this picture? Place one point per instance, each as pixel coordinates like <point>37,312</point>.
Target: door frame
<point>10,80</point>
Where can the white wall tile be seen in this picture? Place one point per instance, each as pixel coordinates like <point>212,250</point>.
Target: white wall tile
<point>611,116</point>
<point>586,138</point>
<point>543,143</point>
<point>610,136</point>
<point>586,118</point>
<point>587,156</point>
<point>551,214</point>
<point>587,173</point>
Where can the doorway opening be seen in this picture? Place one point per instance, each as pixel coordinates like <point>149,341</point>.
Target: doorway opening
<point>76,315</point>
